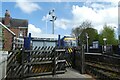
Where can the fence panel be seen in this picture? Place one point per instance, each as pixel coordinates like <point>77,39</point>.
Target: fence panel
<point>37,62</point>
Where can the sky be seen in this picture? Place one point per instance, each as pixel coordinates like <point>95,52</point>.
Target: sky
<point>69,14</point>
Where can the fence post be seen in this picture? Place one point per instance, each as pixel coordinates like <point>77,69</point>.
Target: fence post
<point>74,55</point>
<point>28,59</point>
<point>54,63</point>
<point>12,69</point>
<point>83,60</point>
<point>23,58</point>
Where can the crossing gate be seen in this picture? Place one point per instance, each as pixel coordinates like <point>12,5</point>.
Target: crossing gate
<point>79,59</point>
<point>75,58</point>
<point>37,62</point>
<point>69,56</point>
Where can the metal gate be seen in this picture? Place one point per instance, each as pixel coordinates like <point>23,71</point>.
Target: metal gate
<point>75,58</point>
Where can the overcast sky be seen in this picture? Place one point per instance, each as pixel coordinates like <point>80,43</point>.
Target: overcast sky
<point>69,14</point>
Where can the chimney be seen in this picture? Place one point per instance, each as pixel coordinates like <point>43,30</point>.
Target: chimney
<point>7,18</point>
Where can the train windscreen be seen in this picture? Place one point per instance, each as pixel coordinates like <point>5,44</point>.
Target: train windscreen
<point>70,42</point>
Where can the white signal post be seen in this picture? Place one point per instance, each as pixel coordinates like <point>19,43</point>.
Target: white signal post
<point>53,18</point>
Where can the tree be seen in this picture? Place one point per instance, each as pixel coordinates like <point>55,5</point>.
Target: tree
<point>92,34</point>
<point>108,33</point>
<point>78,30</point>
<point>85,27</point>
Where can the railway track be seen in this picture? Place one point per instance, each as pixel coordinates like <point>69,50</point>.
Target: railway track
<point>103,71</point>
<point>103,67</point>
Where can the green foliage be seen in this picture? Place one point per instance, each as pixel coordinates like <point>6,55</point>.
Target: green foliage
<point>108,33</point>
<point>85,27</point>
<point>92,34</point>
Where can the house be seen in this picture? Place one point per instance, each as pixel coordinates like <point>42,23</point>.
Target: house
<point>17,26</point>
<point>6,38</point>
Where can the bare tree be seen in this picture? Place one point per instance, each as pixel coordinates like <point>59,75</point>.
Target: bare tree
<point>78,30</point>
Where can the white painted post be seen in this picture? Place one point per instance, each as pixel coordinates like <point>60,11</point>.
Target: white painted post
<point>3,64</point>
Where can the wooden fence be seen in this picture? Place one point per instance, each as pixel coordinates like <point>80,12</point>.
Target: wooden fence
<point>37,62</point>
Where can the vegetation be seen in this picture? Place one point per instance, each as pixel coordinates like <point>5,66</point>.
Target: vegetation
<point>78,30</point>
<point>108,33</point>
<point>92,34</point>
<point>87,28</point>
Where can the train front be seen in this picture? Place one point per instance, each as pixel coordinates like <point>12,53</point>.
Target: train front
<point>69,43</point>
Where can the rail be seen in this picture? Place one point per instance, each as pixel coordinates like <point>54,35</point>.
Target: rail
<point>103,66</point>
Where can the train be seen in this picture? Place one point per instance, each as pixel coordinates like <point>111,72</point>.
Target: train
<point>68,41</point>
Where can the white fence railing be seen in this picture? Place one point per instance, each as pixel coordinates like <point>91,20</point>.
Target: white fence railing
<point>3,64</point>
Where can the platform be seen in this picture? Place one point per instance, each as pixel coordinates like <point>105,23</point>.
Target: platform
<point>69,74</point>
<point>93,53</point>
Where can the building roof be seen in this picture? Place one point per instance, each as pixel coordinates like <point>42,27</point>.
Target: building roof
<point>19,23</point>
<point>16,22</point>
<point>45,36</point>
<point>7,29</point>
